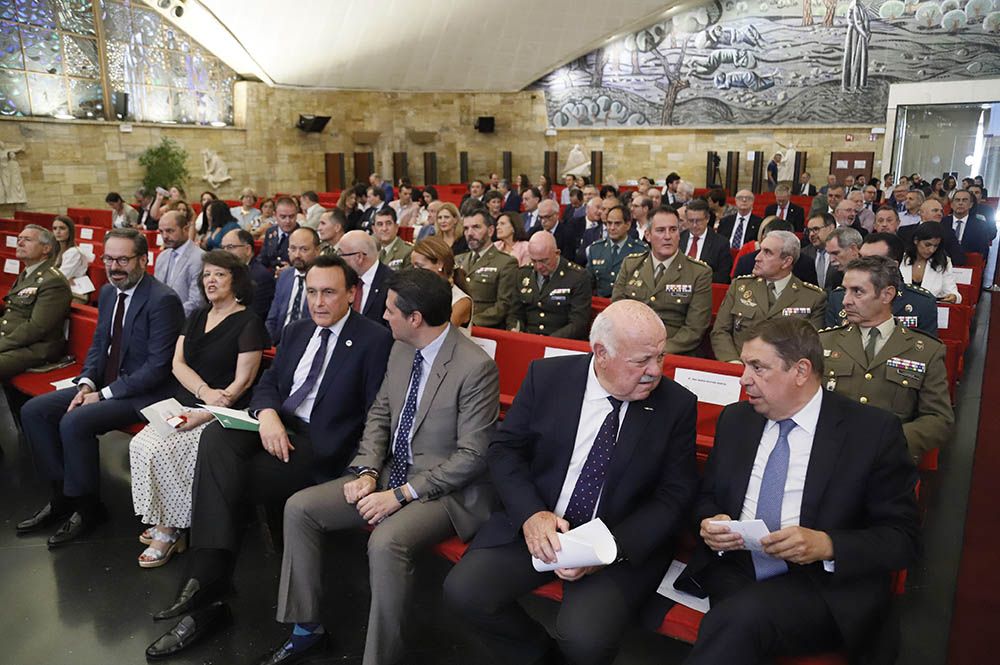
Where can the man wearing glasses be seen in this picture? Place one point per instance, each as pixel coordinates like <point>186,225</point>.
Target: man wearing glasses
<point>239,243</point>
<point>127,368</point>
<point>818,229</point>
<point>741,227</point>
<point>565,235</point>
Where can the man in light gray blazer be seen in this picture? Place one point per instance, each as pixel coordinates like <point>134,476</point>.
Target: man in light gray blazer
<point>418,477</point>
<point>179,264</point>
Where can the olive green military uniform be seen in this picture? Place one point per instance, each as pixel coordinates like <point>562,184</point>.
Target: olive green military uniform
<point>492,283</point>
<point>397,254</point>
<point>682,298</point>
<point>604,263</point>
<point>32,328</point>
<point>747,302</point>
<point>559,308</point>
<point>326,249</point>
<point>907,377</point>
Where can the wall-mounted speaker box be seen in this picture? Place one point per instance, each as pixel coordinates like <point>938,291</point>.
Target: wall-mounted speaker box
<point>365,138</point>
<point>312,123</point>
<point>485,124</point>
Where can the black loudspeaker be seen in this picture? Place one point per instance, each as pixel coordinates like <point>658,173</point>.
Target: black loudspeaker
<point>121,105</point>
<point>312,123</point>
<point>485,124</point>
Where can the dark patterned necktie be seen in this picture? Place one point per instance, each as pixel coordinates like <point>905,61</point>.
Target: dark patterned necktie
<point>401,447</point>
<point>588,486</point>
<point>296,312</point>
<point>738,234</point>
<point>115,352</point>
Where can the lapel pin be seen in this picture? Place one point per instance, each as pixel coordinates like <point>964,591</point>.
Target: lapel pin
<point>348,343</point>
<point>648,408</point>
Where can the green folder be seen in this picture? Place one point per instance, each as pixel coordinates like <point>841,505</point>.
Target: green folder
<point>233,419</point>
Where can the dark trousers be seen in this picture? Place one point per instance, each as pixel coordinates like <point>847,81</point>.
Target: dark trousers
<point>485,585</point>
<point>65,444</point>
<point>751,621</point>
<point>233,470</point>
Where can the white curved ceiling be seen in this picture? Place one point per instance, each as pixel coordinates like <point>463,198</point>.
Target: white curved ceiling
<point>416,45</point>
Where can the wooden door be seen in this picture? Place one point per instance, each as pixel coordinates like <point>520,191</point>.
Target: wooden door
<point>849,163</point>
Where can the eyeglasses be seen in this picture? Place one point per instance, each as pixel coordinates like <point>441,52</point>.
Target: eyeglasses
<point>121,261</point>
<point>350,254</point>
<point>230,248</point>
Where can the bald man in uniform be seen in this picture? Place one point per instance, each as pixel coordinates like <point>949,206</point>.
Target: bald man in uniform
<point>553,293</point>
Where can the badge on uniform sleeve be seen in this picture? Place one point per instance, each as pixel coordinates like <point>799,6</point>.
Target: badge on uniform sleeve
<point>919,344</point>
<point>908,308</point>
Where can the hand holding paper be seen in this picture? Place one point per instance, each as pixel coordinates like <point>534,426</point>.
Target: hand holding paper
<point>750,531</point>
<point>590,544</point>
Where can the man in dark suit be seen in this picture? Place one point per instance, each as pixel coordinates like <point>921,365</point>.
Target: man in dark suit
<point>783,208</point>
<point>818,229</point>
<point>843,245</point>
<point>360,250</point>
<point>740,227</point>
<point>127,369</point>
<point>565,234</point>
<point>558,460</point>
<point>511,199</point>
<point>417,478</point>
<point>311,404</point>
<point>239,243</point>
<point>970,228</point>
<point>376,201</point>
<point>274,252</point>
<point>290,302</point>
<point>804,268</point>
<point>805,188</point>
<point>834,484</point>
<point>700,242</point>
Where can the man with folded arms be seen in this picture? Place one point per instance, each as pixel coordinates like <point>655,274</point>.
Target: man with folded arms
<point>417,477</point>
<point>832,481</point>
<point>601,435</point>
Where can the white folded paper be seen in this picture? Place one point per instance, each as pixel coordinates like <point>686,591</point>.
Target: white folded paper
<point>82,286</point>
<point>65,383</point>
<point>589,544</point>
<point>667,590</point>
<point>159,413</point>
<point>751,530</point>
<point>553,351</point>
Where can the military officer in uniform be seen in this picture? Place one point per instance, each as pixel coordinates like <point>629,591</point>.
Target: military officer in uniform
<point>770,292</point>
<point>913,306</point>
<point>553,293</point>
<point>881,363</point>
<point>677,287</point>
<point>394,252</point>
<point>31,331</point>
<point>604,257</point>
<point>490,275</point>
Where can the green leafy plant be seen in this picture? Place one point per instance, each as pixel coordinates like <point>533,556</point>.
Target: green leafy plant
<point>166,165</point>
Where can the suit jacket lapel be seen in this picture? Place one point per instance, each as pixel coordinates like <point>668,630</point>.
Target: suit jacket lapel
<point>742,462</point>
<point>375,287</point>
<point>827,442</point>
<point>340,353</point>
<point>437,373</point>
<point>637,418</point>
<point>296,349</point>
<point>852,345</point>
<point>139,298</point>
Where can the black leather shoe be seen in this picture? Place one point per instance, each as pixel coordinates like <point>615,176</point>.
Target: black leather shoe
<point>190,629</point>
<point>43,518</point>
<point>77,526</point>
<point>282,657</point>
<point>193,596</point>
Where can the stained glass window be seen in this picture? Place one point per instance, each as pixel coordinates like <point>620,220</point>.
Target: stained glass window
<point>50,64</point>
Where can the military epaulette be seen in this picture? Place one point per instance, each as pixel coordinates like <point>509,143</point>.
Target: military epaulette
<point>637,252</point>
<point>572,266</point>
<point>810,285</point>
<point>919,289</point>
<point>832,328</point>
<point>751,276</point>
<point>642,256</point>
<point>698,261</point>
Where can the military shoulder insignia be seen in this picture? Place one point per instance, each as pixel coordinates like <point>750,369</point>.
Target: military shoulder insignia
<point>832,328</point>
<point>839,288</point>
<point>810,285</point>
<point>922,290</point>
<point>699,262</point>
<point>739,277</point>
<point>526,281</point>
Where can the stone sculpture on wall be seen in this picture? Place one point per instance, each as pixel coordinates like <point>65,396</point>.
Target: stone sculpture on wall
<point>577,163</point>
<point>11,183</point>
<point>767,62</point>
<point>216,171</point>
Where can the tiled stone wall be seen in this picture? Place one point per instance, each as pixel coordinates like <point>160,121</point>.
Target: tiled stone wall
<point>73,163</point>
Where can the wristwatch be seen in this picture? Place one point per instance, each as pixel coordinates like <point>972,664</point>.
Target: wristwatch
<point>364,471</point>
<point>400,496</point>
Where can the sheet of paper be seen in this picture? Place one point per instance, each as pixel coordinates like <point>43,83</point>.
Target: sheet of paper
<point>487,345</point>
<point>149,257</point>
<point>589,544</point>
<point>233,418</point>
<point>11,266</point>
<point>667,590</point>
<point>962,275</point>
<point>12,241</point>
<point>159,241</point>
<point>860,164</point>
<point>88,249</point>
<point>157,414</point>
<point>843,164</point>
<point>751,530</point>
<point>86,234</point>
<point>709,388</point>
<point>943,317</point>
<point>65,383</point>
<point>82,286</point>
<point>552,352</point>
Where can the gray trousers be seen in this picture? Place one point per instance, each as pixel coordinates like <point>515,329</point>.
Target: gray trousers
<point>314,511</point>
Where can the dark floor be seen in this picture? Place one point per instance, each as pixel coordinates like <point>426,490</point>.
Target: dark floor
<point>91,604</point>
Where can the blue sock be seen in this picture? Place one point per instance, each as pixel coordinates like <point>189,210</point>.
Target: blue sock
<point>304,635</point>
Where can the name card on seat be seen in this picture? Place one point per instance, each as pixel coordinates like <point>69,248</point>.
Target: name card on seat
<point>149,256</point>
<point>487,345</point>
<point>12,241</point>
<point>708,387</point>
<point>553,351</point>
<point>943,317</point>
<point>88,249</point>
<point>87,234</point>
<point>12,266</point>
<point>962,275</point>
<point>159,241</point>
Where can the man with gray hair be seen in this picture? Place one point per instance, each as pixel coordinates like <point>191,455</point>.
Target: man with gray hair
<point>511,199</point>
<point>31,333</point>
<point>843,245</point>
<point>565,234</point>
<point>558,460</point>
<point>772,291</point>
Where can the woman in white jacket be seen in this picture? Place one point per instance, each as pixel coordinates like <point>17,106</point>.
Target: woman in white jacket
<point>71,261</point>
<point>927,265</point>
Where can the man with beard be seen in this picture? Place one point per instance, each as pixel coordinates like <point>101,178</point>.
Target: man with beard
<point>491,275</point>
<point>289,304</point>
<point>127,369</point>
<point>179,265</point>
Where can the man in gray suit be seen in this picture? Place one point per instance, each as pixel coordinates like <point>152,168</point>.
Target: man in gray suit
<point>418,477</point>
<point>179,264</point>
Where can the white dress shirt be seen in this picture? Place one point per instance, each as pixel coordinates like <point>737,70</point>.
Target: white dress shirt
<point>958,226</point>
<point>305,364</point>
<point>291,297</point>
<point>736,227</point>
<point>701,244</point>
<point>368,279</point>
<point>106,391</point>
<point>594,409</point>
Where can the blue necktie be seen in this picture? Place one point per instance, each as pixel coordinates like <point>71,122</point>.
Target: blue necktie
<point>295,400</point>
<point>401,448</point>
<point>296,312</point>
<point>772,491</point>
<point>588,486</point>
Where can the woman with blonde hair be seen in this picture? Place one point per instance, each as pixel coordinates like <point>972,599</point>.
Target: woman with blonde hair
<point>448,227</point>
<point>433,253</point>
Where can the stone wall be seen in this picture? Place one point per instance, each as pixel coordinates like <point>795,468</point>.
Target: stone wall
<point>75,163</point>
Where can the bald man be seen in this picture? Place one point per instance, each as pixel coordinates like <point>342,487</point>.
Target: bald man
<point>565,234</point>
<point>179,264</point>
<point>361,251</point>
<point>553,293</point>
<point>559,459</point>
<point>740,227</point>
